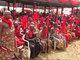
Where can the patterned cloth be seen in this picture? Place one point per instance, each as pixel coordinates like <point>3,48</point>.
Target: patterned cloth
<point>8,43</point>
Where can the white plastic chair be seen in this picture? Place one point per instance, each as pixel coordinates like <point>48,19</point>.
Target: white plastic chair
<point>28,48</point>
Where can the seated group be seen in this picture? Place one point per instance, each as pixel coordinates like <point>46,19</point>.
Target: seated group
<point>42,40</point>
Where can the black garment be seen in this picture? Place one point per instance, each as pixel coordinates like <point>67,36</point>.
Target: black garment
<point>35,47</point>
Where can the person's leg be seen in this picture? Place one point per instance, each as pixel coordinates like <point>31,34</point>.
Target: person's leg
<point>44,45</point>
<point>49,45</point>
<point>32,48</point>
<point>57,43</point>
<point>38,48</point>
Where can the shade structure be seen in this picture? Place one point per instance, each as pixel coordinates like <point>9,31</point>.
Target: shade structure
<point>53,3</point>
<point>63,1</point>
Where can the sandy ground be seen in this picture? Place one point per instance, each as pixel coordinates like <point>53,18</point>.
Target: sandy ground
<point>72,52</point>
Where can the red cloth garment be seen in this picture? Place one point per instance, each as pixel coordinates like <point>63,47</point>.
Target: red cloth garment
<point>38,25</point>
<point>17,32</point>
<point>76,30</point>
<point>4,48</point>
<point>42,20</point>
<point>62,19</point>
<point>51,26</point>
<point>24,22</point>
<point>57,21</point>
<point>7,21</point>
<point>78,33</point>
<point>44,34</point>
<point>63,27</point>
<point>47,21</point>
<point>30,33</point>
<point>65,19</point>
<point>36,16</point>
<point>49,0</point>
<point>29,23</point>
<point>75,17</point>
<point>20,42</point>
<point>19,36</point>
<point>74,2</point>
<point>71,27</point>
<point>58,30</point>
<point>66,34</point>
<point>34,8</point>
<point>63,1</point>
<point>71,19</point>
<point>47,27</point>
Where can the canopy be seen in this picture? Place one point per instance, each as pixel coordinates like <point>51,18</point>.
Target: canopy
<point>53,3</point>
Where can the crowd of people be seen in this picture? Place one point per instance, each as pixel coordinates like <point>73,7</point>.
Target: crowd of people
<point>43,31</point>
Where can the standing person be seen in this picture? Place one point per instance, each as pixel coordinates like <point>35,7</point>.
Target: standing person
<point>8,46</point>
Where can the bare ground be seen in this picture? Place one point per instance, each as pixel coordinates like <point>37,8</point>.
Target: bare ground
<point>72,52</point>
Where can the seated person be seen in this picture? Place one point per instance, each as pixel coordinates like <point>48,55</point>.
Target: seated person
<point>46,42</point>
<point>62,37</point>
<point>65,32</point>
<point>35,46</point>
<point>19,33</point>
<point>79,32</point>
<point>75,29</point>
<point>57,37</point>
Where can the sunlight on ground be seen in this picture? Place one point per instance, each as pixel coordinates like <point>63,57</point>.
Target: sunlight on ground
<point>72,52</point>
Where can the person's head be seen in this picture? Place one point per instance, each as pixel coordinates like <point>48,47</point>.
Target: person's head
<point>59,26</point>
<point>44,27</point>
<point>52,19</point>
<point>75,22</point>
<point>32,27</point>
<point>51,22</point>
<point>55,24</point>
<point>77,18</point>
<point>32,23</point>
<point>7,14</point>
<point>61,23</point>
<point>16,24</point>
<point>21,14</point>
<point>44,23</point>
<point>30,19</point>
<point>66,24</point>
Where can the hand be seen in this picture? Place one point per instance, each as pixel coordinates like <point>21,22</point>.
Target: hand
<point>35,39</point>
<point>46,40</point>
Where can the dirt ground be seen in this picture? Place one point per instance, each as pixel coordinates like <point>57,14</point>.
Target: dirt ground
<point>72,52</point>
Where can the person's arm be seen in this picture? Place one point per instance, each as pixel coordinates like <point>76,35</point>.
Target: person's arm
<point>48,36</point>
<point>0,34</point>
<point>27,37</point>
<point>40,35</point>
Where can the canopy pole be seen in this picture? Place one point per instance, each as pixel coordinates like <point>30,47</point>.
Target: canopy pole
<point>8,5</point>
<point>62,11</point>
<point>34,7</point>
<point>72,10</point>
<point>14,7</point>
<point>45,9</point>
<point>57,11</point>
<point>23,8</point>
<point>50,8</point>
